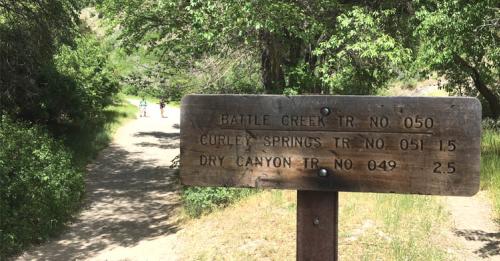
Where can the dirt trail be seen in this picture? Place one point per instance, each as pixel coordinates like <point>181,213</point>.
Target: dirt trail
<point>132,198</point>
<point>473,227</point>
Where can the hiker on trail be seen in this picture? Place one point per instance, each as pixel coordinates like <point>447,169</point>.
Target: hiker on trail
<point>162,106</point>
<point>143,105</point>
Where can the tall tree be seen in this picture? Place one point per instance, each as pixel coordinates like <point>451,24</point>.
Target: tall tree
<point>294,39</point>
<point>461,40</point>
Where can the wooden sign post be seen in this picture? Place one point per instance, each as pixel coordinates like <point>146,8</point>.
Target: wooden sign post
<point>320,145</point>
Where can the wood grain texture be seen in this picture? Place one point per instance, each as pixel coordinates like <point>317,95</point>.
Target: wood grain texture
<point>419,145</point>
<point>317,225</point>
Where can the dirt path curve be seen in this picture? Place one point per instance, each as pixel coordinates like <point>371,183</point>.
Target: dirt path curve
<point>132,198</point>
<point>474,228</point>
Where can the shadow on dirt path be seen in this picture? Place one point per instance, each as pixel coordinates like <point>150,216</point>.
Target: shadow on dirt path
<point>490,242</point>
<point>132,199</point>
<point>474,228</point>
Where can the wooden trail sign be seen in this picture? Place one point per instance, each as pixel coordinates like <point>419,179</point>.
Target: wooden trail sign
<point>419,145</point>
<point>320,145</point>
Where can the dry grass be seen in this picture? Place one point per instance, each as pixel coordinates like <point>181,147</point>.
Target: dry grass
<point>371,227</point>
<point>259,227</point>
<point>393,227</point>
<point>490,167</point>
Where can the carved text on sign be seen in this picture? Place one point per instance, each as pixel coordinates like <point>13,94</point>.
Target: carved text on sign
<point>378,144</point>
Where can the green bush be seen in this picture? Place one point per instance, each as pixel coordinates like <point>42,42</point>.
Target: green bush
<point>90,83</point>
<point>73,87</point>
<point>201,200</point>
<point>130,89</point>
<point>39,188</point>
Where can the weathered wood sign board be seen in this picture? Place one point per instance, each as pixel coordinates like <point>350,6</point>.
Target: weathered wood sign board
<point>419,145</point>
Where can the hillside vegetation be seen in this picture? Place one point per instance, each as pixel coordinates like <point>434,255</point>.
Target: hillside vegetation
<point>57,110</point>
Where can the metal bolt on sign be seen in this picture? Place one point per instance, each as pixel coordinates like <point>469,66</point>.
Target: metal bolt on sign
<point>323,172</point>
<point>325,111</point>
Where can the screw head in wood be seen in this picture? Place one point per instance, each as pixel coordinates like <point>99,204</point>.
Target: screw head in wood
<point>322,172</point>
<point>325,111</point>
<point>316,221</point>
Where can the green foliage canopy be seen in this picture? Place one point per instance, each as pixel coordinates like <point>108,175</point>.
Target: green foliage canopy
<point>50,73</point>
<point>360,56</point>
<point>318,46</point>
<point>295,40</point>
<point>83,83</point>
<point>461,40</point>
<point>30,34</point>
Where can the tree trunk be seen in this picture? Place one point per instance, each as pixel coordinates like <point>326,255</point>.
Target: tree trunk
<point>311,61</point>
<point>293,59</point>
<point>273,76</point>
<point>491,98</point>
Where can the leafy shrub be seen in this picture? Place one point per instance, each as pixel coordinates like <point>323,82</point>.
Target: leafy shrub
<point>201,200</point>
<point>302,80</point>
<point>72,87</point>
<point>130,89</point>
<point>491,124</point>
<point>361,56</point>
<point>92,83</point>
<point>39,188</point>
